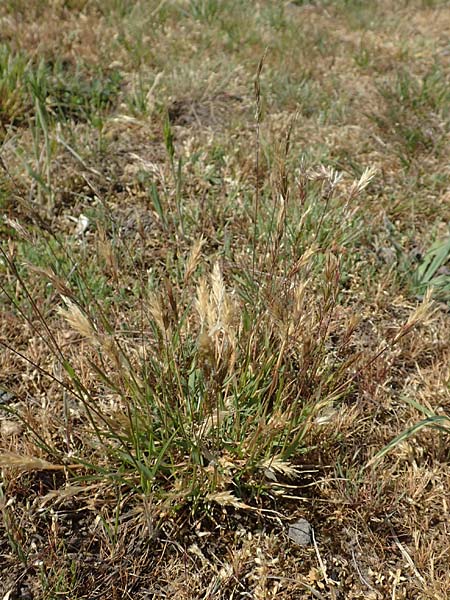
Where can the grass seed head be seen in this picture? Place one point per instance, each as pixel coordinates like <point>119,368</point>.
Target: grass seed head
<point>193,258</point>
<point>367,176</point>
<point>79,321</point>
<point>158,312</point>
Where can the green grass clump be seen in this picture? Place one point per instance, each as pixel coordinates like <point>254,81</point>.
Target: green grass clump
<point>433,272</point>
<point>14,103</point>
<point>213,379</point>
<point>417,113</point>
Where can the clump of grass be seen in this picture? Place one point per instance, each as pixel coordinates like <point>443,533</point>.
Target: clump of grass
<point>433,271</point>
<point>68,94</point>
<point>216,376</point>
<point>14,103</point>
<point>212,388</point>
<point>416,114</point>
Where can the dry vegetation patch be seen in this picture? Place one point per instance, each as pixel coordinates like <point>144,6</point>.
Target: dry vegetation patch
<point>225,290</point>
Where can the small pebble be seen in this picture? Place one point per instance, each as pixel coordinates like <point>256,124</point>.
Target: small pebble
<point>300,532</point>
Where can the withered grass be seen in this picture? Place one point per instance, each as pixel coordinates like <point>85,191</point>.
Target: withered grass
<point>225,296</point>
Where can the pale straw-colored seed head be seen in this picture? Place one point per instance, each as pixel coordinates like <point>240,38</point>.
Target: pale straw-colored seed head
<point>78,321</point>
<point>156,309</point>
<point>217,290</point>
<point>276,465</point>
<point>367,176</point>
<point>423,312</point>
<point>202,304</point>
<point>193,258</point>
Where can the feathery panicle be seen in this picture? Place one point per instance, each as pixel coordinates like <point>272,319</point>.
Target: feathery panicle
<point>326,174</point>
<point>202,303</point>
<point>193,258</point>
<point>218,333</point>
<point>367,176</point>
<point>226,499</point>
<point>218,292</point>
<point>423,312</point>
<point>18,228</point>
<point>78,321</point>
<point>299,300</point>
<point>57,282</point>
<point>27,463</point>
<point>278,465</point>
<point>106,252</point>
<point>156,309</point>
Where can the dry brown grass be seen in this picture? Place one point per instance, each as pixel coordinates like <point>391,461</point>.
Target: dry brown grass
<point>169,289</point>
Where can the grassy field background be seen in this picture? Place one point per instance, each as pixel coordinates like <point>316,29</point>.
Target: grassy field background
<point>225,293</point>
